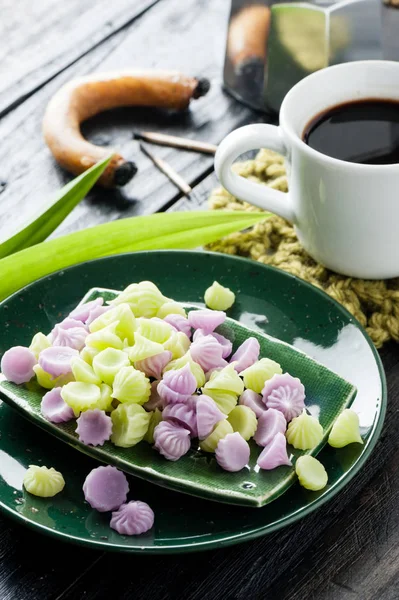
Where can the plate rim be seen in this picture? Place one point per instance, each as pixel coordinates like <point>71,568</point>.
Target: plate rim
<point>257,532</point>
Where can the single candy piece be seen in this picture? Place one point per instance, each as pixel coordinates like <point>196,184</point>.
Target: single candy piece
<point>155,400</point>
<point>183,414</point>
<point>70,333</point>
<point>195,368</point>
<point>94,427</point>
<point>254,401</point>
<point>133,518</point>
<point>177,385</point>
<point>223,428</point>
<point>88,353</point>
<point>130,423</point>
<point>243,420</point>
<point>246,355</point>
<point>226,379</point>
<point>106,399</point>
<point>39,342</point>
<point>171,308</point>
<point>155,330</point>
<point>156,418</point>
<point>105,488</point>
<point>105,338</point>
<point>82,371</point>
<point>171,440</point>
<point>270,423</point>
<point>143,348</point>
<point>179,322</point>
<point>275,454</point>
<point>286,394</point>
<point>208,415</point>
<point>208,353</point>
<point>48,381</point>
<point>232,452</point>
<point>311,473</point>
<point>80,396</point>
<point>256,375</point>
<point>82,312</point>
<point>144,299</point>
<point>154,365</point>
<point>224,400</point>
<point>205,319</point>
<point>43,482</point>
<point>219,297</point>
<point>54,408</point>
<point>56,360</point>
<point>131,386</point>
<point>304,432</point>
<point>177,344</point>
<point>107,363</point>
<point>123,316</point>
<point>227,345</point>
<point>345,430</point>
<point>17,364</point>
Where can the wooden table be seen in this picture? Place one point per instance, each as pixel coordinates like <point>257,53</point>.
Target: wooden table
<point>349,549</point>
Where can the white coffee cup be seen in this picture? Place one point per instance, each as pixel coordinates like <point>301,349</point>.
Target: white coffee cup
<point>346,214</point>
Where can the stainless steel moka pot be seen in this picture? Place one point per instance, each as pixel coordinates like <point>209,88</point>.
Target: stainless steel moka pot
<point>273,45</point>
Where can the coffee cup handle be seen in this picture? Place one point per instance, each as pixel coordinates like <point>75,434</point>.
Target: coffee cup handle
<point>243,140</point>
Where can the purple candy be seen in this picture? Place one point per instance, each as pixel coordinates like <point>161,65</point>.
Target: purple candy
<point>17,364</point>
<point>208,415</point>
<point>96,312</point>
<point>180,323</point>
<point>105,488</point>
<point>70,333</point>
<point>253,401</point>
<point>171,440</point>
<point>154,365</point>
<point>54,408</point>
<point>56,360</point>
<point>94,427</point>
<point>275,454</point>
<point>183,414</point>
<point>270,423</point>
<point>133,518</point>
<point>155,400</point>
<point>208,353</point>
<point>227,346</point>
<point>246,355</point>
<point>286,394</point>
<point>82,312</point>
<point>232,452</point>
<point>206,319</point>
<point>177,385</point>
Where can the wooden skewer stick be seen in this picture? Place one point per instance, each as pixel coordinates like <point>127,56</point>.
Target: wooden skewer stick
<point>175,142</point>
<point>168,171</point>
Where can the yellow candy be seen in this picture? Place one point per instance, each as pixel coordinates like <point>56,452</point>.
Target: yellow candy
<point>226,379</point>
<point>82,371</point>
<point>345,430</point>
<point>243,420</point>
<point>224,400</point>
<point>105,338</point>
<point>108,363</point>
<point>88,353</point>
<point>218,297</point>
<point>256,375</point>
<point>177,344</point>
<point>43,482</point>
<point>171,308</point>
<point>131,386</point>
<point>123,316</point>
<point>220,431</point>
<point>143,348</point>
<point>311,473</point>
<point>47,381</point>
<point>156,331</point>
<point>144,299</point>
<point>106,399</point>
<point>80,396</point>
<point>156,418</point>
<point>130,423</point>
<point>304,432</point>
<point>195,368</point>
<point>39,342</point>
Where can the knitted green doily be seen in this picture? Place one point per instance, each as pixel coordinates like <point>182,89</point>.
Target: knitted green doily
<point>273,242</point>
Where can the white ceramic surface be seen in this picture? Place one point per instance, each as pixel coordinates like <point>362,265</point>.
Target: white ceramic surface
<point>346,215</point>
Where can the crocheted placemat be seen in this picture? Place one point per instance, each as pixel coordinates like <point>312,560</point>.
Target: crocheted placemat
<point>273,242</point>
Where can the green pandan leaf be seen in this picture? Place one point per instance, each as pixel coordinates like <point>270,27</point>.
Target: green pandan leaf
<point>41,226</point>
<point>153,232</point>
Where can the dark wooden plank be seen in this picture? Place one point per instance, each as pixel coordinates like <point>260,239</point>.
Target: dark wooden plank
<point>40,39</point>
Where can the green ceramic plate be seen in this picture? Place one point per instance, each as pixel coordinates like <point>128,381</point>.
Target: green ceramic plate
<point>197,473</point>
<point>269,302</point>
